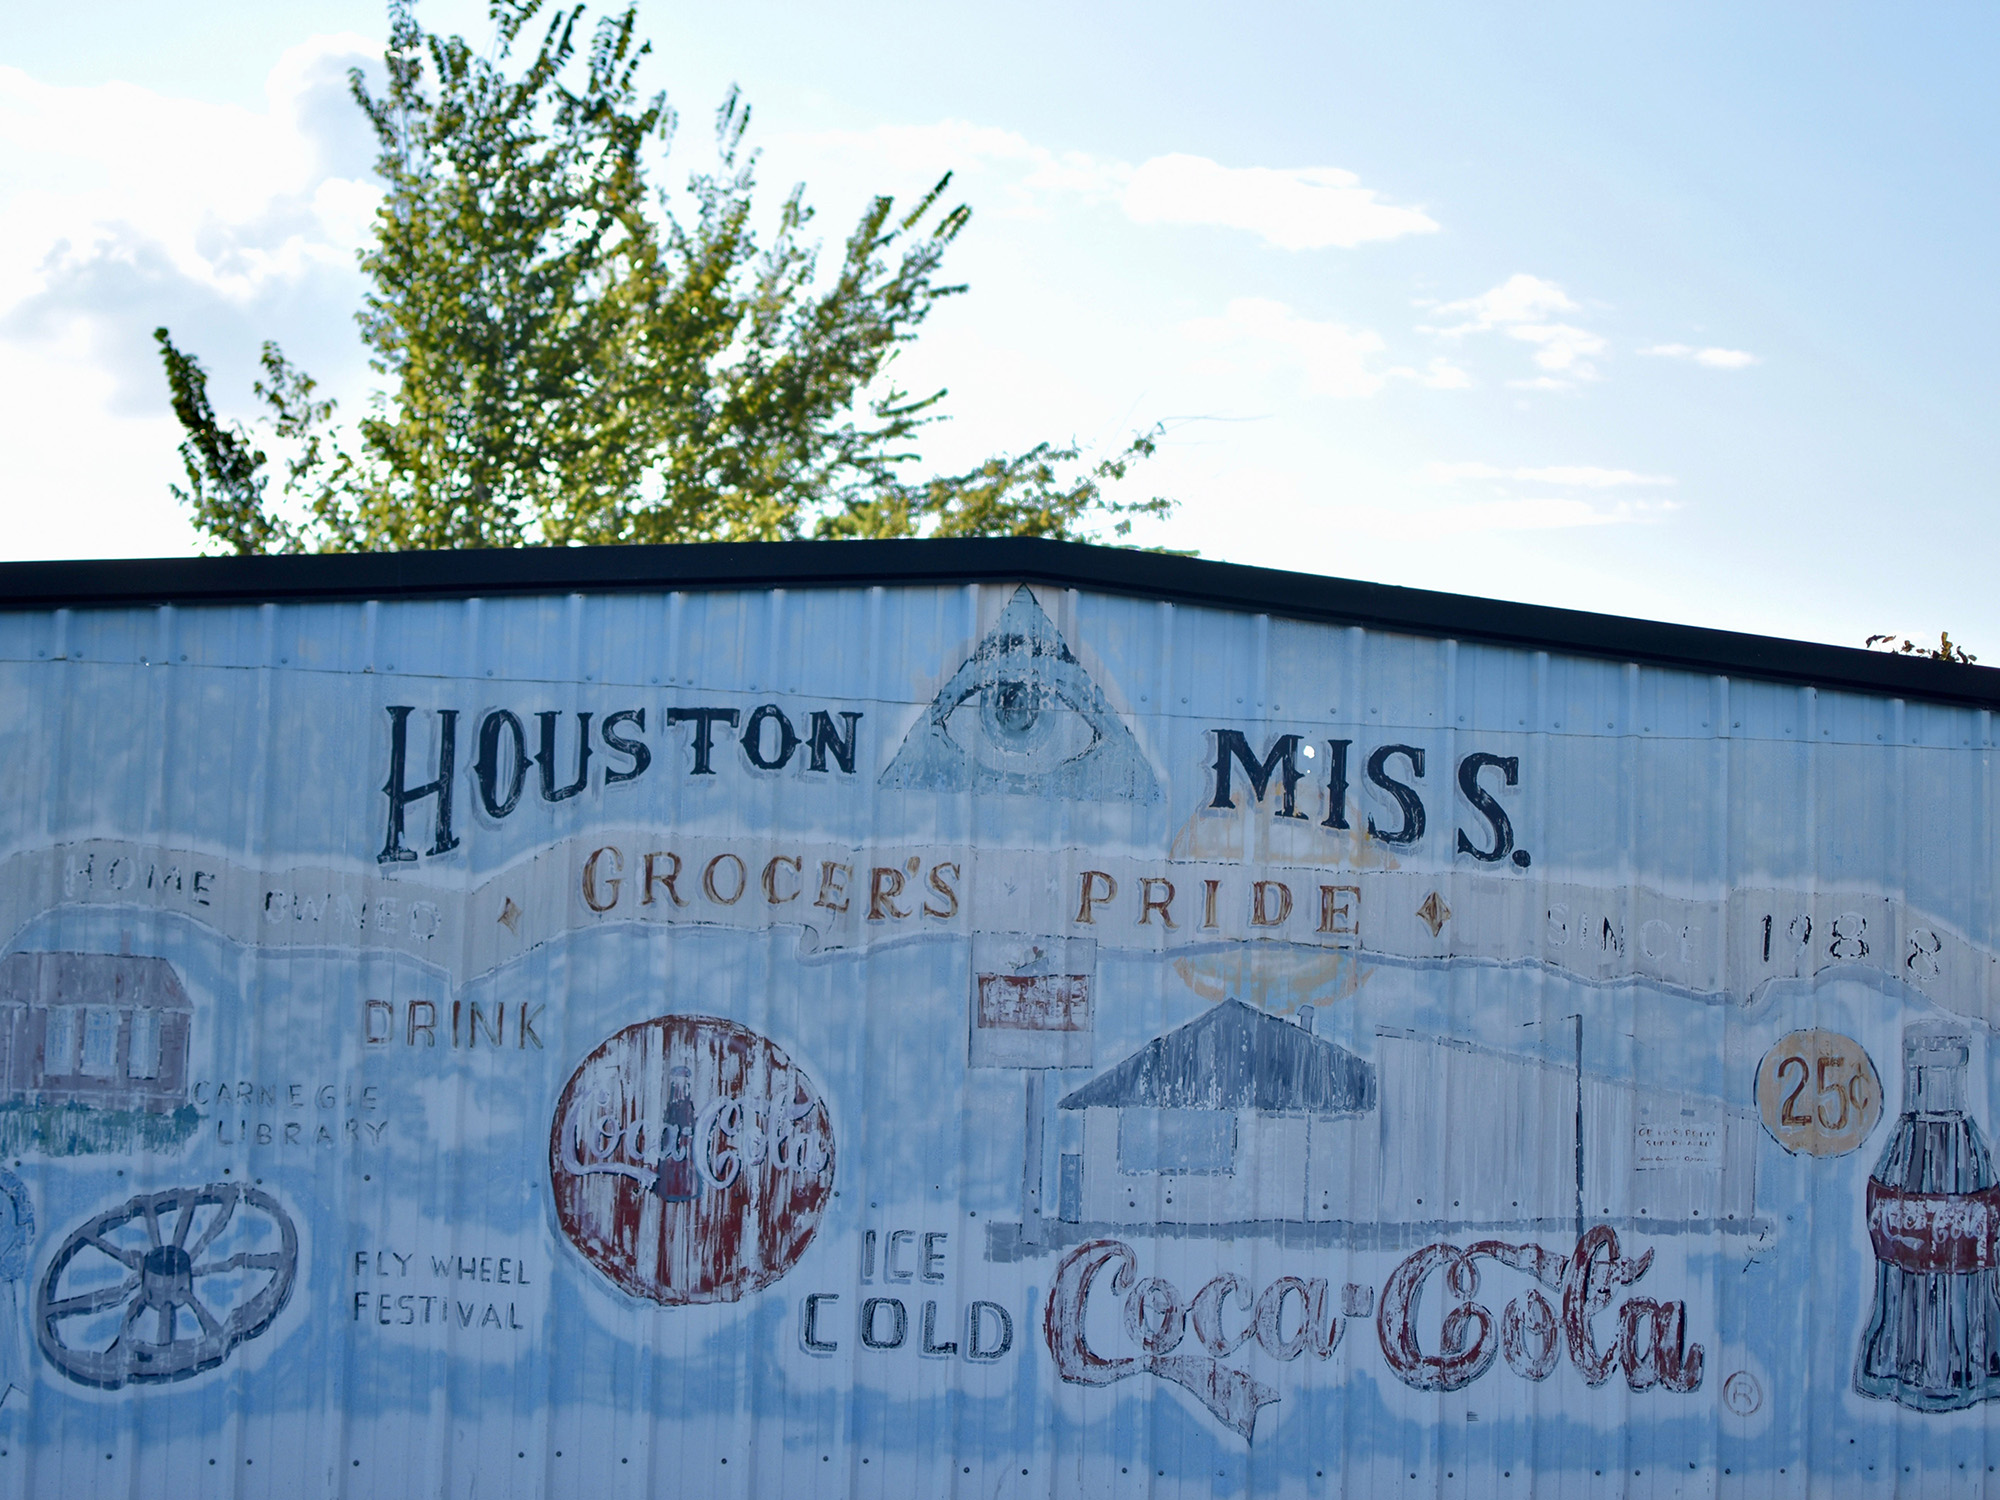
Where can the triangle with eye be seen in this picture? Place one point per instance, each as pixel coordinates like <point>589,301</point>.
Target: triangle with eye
<point>1021,716</point>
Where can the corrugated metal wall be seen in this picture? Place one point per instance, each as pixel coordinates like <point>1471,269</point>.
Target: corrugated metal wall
<point>892,1061</point>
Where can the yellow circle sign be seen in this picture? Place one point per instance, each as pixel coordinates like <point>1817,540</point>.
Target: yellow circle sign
<point>1819,1093</point>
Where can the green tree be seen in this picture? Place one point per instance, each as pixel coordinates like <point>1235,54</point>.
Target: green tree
<point>565,358</point>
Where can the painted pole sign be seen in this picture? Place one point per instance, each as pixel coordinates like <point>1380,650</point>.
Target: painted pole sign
<point>983,1039</point>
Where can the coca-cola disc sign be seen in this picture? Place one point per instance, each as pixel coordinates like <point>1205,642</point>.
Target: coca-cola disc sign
<point>691,1160</point>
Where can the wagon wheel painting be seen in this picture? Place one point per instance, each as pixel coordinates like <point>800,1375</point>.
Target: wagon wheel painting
<point>166,1285</point>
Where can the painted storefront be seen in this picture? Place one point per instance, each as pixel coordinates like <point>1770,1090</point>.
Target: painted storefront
<point>979,1038</point>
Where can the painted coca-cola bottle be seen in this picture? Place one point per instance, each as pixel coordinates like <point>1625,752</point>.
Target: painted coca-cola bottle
<point>676,1182</point>
<point>1933,1212</point>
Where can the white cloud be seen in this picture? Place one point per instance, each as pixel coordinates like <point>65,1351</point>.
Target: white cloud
<point>1508,514</point>
<point>1715,359</point>
<point>232,198</point>
<point>1257,336</point>
<point>1038,175</point>
<point>123,209</point>
<point>1549,513</point>
<point>1577,476</point>
<point>1300,208</point>
<point>1294,208</point>
<point>1522,307</point>
<point>1439,375</point>
<point>1517,300</point>
<point>1560,348</point>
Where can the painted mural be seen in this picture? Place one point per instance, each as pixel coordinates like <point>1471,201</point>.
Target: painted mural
<point>985,1040</point>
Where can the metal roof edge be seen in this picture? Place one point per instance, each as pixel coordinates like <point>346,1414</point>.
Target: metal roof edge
<point>1118,570</point>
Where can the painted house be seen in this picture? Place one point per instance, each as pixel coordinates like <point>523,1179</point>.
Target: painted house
<point>1240,1117</point>
<point>1212,1123</point>
<point>102,1029</point>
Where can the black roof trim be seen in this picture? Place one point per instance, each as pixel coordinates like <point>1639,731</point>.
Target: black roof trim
<point>1182,580</point>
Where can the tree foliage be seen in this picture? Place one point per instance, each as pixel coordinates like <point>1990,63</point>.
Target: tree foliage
<point>566,356</point>
<point>1946,649</point>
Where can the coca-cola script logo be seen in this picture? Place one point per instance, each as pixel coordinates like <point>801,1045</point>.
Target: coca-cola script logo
<point>691,1160</point>
<point>1294,1316</point>
<point>1951,1233</point>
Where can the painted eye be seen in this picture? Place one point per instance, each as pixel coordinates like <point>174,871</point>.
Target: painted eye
<point>1018,724</point>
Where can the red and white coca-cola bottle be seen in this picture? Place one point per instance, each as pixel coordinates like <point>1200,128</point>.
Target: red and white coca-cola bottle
<point>1933,1218</point>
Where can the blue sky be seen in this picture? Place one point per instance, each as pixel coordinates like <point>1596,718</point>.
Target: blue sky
<point>1682,313</point>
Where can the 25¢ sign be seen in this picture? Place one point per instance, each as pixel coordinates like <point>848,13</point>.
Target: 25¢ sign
<point>1818,1093</point>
